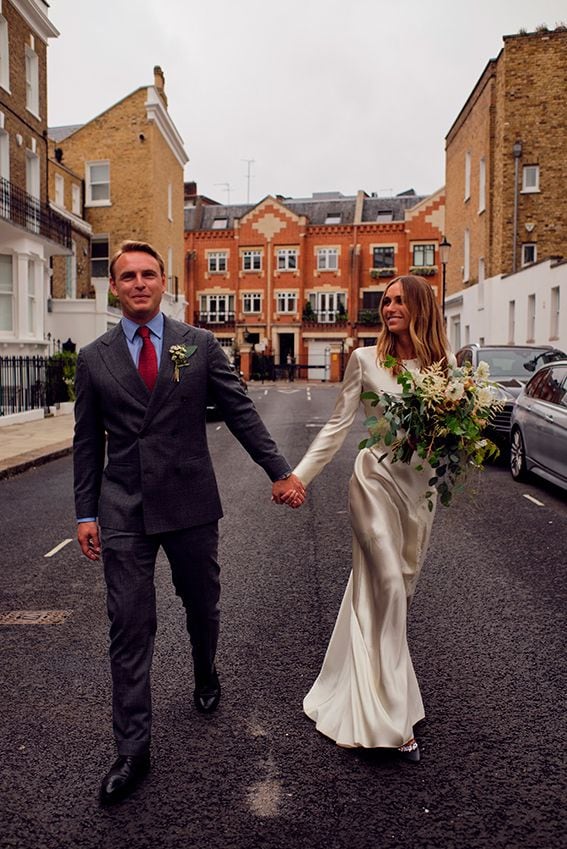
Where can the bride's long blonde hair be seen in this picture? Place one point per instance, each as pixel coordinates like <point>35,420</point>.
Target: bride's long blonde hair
<point>426,326</point>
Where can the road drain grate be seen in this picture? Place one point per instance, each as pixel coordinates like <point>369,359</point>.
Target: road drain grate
<point>34,617</point>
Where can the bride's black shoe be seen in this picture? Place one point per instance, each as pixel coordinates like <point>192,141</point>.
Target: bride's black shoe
<point>409,752</point>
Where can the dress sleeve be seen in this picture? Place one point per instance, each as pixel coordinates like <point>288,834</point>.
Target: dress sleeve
<point>333,434</point>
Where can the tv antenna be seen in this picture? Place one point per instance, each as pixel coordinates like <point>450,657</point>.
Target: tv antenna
<point>249,162</point>
<point>227,188</point>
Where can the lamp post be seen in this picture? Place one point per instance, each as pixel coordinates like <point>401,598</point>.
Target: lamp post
<point>444,249</point>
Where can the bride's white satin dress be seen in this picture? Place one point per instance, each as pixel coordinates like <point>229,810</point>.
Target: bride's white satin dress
<point>367,693</point>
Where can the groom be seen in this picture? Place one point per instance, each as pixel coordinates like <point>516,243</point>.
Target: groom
<point>141,395</point>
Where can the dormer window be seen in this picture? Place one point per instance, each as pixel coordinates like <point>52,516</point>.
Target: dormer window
<point>333,218</point>
<point>384,215</point>
<point>220,223</point>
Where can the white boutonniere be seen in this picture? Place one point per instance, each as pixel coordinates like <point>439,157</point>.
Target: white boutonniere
<point>180,357</point>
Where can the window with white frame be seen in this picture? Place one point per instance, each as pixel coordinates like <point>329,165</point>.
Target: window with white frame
<point>511,322</point>
<point>554,310</point>
<point>287,259</point>
<point>99,256</point>
<point>481,270</point>
<point>531,318</point>
<point>423,255</point>
<point>31,298</point>
<point>328,306</point>
<point>97,180</point>
<point>216,309</point>
<point>33,209</point>
<point>466,256</point>
<point>333,218</point>
<point>383,257</point>
<point>217,261</point>
<point>530,178</point>
<point>4,155</point>
<point>59,190</point>
<point>286,301</point>
<point>251,260</point>
<point>482,185</point>
<point>529,253</point>
<point>467,175</point>
<point>220,223</point>
<point>455,333</point>
<point>76,199</point>
<point>384,215</point>
<point>327,259</point>
<point>252,302</point>
<point>4,54</point>
<point>6,295</point>
<point>32,81</point>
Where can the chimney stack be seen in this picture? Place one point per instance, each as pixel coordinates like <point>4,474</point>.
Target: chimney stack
<point>159,83</point>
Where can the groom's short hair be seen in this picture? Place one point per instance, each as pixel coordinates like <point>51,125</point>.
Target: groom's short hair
<point>131,246</point>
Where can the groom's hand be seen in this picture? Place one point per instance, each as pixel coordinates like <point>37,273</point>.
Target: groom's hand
<point>89,540</point>
<point>289,491</point>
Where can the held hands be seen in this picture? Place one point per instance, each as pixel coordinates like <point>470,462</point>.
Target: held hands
<point>87,534</point>
<point>289,491</point>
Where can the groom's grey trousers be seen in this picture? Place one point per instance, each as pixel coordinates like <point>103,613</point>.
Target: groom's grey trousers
<point>129,561</point>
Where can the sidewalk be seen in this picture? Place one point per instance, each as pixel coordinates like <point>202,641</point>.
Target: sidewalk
<point>34,443</point>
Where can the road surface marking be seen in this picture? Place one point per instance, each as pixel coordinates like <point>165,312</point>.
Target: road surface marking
<point>58,548</point>
<point>534,500</point>
<point>218,427</point>
<point>288,391</point>
<point>265,391</point>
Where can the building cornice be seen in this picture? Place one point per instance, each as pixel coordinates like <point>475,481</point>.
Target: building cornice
<point>38,21</point>
<point>75,221</point>
<point>156,112</point>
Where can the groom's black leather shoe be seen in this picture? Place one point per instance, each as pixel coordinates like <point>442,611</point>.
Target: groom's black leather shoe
<point>207,694</point>
<point>124,775</point>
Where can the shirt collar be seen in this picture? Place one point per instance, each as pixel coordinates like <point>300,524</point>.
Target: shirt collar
<point>130,327</point>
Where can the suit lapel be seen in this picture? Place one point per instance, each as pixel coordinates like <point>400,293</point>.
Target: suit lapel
<point>165,383</point>
<point>114,351</point>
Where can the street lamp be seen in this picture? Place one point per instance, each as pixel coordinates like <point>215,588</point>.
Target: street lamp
<point>444,249</point>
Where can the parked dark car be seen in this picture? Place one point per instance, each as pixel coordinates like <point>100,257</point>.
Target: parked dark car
<point>538,435</point>
<point>511,366</point>
<point>214,413</point>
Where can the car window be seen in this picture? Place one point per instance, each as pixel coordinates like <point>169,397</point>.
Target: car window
<point>464,357</point>
<point>552,386</point>
<point>508,362</point>
<point>533,387</point>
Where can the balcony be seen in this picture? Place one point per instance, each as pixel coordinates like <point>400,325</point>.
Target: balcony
<point>312,318</point>
<point>377,273</point>
<point>23,210</point>
<point>369,318</point>
<point>214,319</point>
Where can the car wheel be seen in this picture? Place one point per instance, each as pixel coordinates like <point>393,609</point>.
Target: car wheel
<point>518,456</point>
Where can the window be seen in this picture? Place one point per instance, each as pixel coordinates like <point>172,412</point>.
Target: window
<point>423,255</point>
<point>76,199</point>
<point>455,332</point>
<point>217,309</point>
<point>466,256</point>
<point>4,155</point>
<point>251,260</point>
<point>287,259</point>
<point>252,302</point>
<point>220,223</point>
<point>31,298</point>
<point>530,178</point>
<point>333,218</point>
<point>529,253</point>
<point>481,270</point>
<point>531,318</point>
<point>59,190</point>
<point>32,81</point>
<point>6,295</point>
<point>98,183</point>
<point>554,311</point>
<point>384,215</point>
<point>383,257</point>
<point>217,261</point>
<point>171,283</point>
<point>511,322</point>
<point>327,259</point>
<point>286,301</point>
<point>99,256</point>
<point>467,175</point>
<point>4,54</point>
<point>482,185</point>
<point>328,306</point>
<point>33,211</point>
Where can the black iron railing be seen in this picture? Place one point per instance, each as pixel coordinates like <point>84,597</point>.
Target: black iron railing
<point>30,383</point>
<point>207,319</point>
<point>30,213</point>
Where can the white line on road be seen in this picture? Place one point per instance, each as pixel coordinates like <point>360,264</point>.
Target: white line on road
<point>265,391</point>
<point>58,548</point>
<point>534,500</point>
<point>218,427</point>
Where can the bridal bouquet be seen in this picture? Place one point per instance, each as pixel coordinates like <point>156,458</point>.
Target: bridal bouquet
<point>438,417</point>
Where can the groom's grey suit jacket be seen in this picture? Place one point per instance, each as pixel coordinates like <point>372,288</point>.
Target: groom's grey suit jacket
<point>158,475</point>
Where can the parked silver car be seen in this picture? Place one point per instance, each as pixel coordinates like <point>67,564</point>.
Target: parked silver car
<point>511,366</point>
<point>539,426</point>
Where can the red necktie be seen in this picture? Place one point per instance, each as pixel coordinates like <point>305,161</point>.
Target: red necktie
<point>147,364</point>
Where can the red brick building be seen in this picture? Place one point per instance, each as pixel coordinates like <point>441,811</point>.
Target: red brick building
<point>303,278</point>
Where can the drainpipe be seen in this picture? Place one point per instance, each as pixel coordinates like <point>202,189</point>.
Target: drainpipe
<point>517,151</point>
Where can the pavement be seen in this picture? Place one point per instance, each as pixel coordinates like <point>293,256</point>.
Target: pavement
<point>33,443</point>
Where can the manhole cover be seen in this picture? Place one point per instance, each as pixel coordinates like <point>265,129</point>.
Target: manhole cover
<point>34,617</point>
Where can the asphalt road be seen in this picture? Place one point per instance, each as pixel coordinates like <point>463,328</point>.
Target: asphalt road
<point>487,638</point>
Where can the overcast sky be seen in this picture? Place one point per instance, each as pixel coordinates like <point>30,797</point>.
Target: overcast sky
<point>324,95</point>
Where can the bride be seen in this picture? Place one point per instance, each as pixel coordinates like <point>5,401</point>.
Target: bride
<point>367,693</point>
